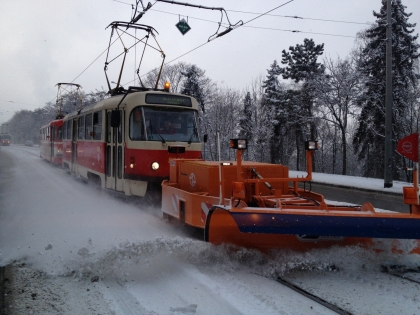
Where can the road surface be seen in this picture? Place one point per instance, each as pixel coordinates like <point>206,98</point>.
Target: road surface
<point>69,248</point>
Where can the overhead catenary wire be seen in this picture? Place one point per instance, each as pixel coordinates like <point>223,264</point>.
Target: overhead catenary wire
<point>302,18</point>
<point>264,28</point>
<point>274,15</point>
<point>244,25</point>
<point>262,14</point>
<point>209,41</point>
<point>91,63</point>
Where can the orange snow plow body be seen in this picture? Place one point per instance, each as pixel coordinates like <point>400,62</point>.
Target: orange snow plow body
<point>257,205</point>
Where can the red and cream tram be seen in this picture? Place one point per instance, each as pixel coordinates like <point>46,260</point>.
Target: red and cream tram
<point>126,142</point>
<point>5,139</point>
<point>51,142</point>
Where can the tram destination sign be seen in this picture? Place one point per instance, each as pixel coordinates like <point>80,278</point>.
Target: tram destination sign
<point>168,100</point>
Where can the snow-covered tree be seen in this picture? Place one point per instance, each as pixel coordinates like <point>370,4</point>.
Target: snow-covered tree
<point>302,66</point>
<point>195,85</point>
<point>25,124</point>
<point>369,137</point>
<point>337,94</point>
<point>221,116</point>
<point>270,103</point>
<point>291,133</point>
<point>246,122</point>
<point>170,73</point>
<point>257,147</point>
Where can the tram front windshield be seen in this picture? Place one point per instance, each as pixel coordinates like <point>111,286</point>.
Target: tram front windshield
<point>163,124</point>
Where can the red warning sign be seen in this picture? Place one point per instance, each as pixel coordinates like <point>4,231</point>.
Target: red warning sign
<point>409,147</point>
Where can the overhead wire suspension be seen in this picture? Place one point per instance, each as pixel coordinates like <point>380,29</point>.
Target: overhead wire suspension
<point>67,88</point>
<point>118,28</point>
<point>214,36</point>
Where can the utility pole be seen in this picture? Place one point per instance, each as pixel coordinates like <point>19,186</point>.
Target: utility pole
<point>388,101</point>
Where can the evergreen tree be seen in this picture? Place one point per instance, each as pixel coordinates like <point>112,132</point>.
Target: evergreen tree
<point>369,137</point>
<point>245,122</point>
<point>193,85</point>
<point>302,62</point>
<point>270,103</point>
<point>302,67</point>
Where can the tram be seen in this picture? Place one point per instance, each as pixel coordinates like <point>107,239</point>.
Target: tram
<point>127,141</point>
<point>5,139</point>
<point>51,142</point>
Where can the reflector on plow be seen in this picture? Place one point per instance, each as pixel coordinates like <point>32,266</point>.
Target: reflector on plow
<point>257,205</point>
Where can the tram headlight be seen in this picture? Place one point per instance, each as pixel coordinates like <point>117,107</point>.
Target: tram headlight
<point>132,162</point>
<point>155,166</point>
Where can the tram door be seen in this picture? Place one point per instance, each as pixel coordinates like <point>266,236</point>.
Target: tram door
<point>114,158</point>
<point>52,138</point>
<point>74,146</point>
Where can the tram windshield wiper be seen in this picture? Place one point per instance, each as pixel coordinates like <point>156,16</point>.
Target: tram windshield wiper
<point>153,131</point>
<point>195,133</point>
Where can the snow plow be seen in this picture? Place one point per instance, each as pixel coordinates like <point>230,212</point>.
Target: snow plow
<point>257,205</point>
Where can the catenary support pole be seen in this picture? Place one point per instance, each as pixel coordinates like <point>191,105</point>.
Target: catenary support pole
<point>388,102</point>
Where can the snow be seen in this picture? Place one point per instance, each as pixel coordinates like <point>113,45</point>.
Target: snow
<point>78,250</point>
<point>372,184</point>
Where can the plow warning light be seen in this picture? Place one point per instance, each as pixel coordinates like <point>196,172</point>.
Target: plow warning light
<point>167,86</point>
<point>311,145</point>
<point>239,144</point>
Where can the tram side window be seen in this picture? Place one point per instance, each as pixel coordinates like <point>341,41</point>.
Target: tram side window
<point>120,128</point>
<point>69,123</point>
<point>108,128</point>
<point>120,161</point>
<point>64,130</point>
<point>137,125</point>
<point>97,125</point>
<point>88,121</point>
<point>81,127</point>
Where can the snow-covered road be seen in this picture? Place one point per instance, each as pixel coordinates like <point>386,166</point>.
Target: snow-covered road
<point>78,250</point>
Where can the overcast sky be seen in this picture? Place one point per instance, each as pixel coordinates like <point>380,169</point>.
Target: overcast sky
<point>50,41</point>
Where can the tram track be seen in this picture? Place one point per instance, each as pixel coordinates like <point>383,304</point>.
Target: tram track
<point>313,297</point>
<point>402,272</point>
<point>402,276</point>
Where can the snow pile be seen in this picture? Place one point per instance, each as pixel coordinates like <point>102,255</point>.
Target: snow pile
<point>129,260</point>
<point>363,183</point>
<point>193,275</point>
